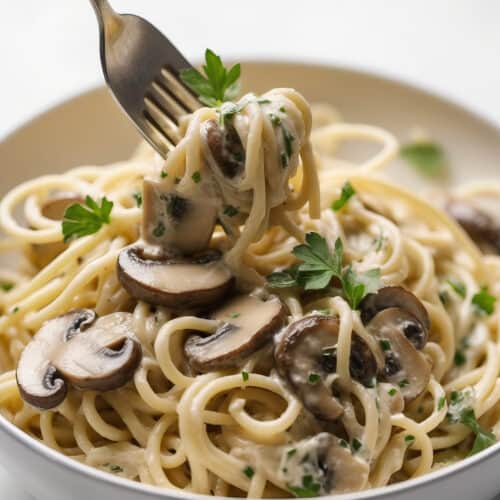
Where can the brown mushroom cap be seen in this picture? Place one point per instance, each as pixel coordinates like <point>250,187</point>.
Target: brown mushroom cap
<point>308,347</point>
<point>478,224</point>
<point>178,221</point>
<point>225,147</point>
<point>404,365</point>
<point>177,283</point>
<point>396,296</point>
<point>104,358</point>
<point>247,323</point>
<point>325,458</point>
<point>343,471</point>
<point>78,349</point>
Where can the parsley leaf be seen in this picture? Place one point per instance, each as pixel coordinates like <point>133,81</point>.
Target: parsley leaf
<point>244,376</point>
<point>6,286</point>
<point>460,412</point>
<point>458,287</point>
<point>345,195</point>
<point>138,199</point>
<point>427,157</point>
<point>319,266</point>
<point>484,302</point>
<point>308,489</point>
<point>249,472</point>
<point>82,220</point>
<point>218,84</point>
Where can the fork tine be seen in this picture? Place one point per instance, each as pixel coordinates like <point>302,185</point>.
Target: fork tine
<point>168,103</point>
<point>171,82</point>
<point>154,135</point>
<point>161,117</point>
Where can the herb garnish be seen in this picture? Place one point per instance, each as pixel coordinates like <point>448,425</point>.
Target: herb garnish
<point>235,315</point>
<point>441,402</point>
<point>427,157</point>
<point>6,286</point>
<point>458,287</point>
<point>484,302</point>
<point>15,310</point>
<point>308,489</point>
<point>244,376</point>
<point>218,84</point>
<point>460,413</point>
<point>159,230</point>
<point>346,194</point>
<point>409,439</point>
<point>460,358</point>
<point>82,220</point>
<point>404,382</point>
<point>163,174</point>
<point>230,211</point>
<point>313,378</point>
<point>291,453</point>
<point>196,177</point>
<point>138,199</point>
<point>115,468</point>
<point>356,444</point>
<point>385,345</point>
<point>392,392</point>
<point>275,119</point>
<point>319,266</point>
<point>249,472</point>
<point>379,242</point>
<point>288,139</point>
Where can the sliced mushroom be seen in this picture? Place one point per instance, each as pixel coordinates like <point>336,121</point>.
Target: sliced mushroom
<point>343,471</point>
<point>225,147</point>
<point>177,283</point>
<point>178,221</point>
<point>78,349</point>
<point>247,323</point>
<point>478,224</point>
<point>395,296</point>
<point>330,463</point>
<point>54,209</point>
<point>405,367</point>
<point>307,348</point>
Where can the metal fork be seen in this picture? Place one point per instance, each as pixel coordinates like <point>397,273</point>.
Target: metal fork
<point>141,67</point>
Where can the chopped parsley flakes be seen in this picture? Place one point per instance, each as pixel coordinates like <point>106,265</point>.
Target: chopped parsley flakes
<point>484,302</point>
<point>308,489</point>
<point>346,194</point>
<point>249,472</point>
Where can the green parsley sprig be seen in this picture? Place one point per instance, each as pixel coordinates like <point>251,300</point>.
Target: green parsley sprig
<point>346,194</point>
<point>484,302</point>
<point>218,85</point>
<point>82,220</point>
<point>319,266</point>
<point>460,412</point>
<point>427,157</point>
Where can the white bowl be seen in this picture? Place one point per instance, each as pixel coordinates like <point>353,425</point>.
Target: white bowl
<point>89,129</point>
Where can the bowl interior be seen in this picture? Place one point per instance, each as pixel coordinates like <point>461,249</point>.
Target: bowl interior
<point>90,129</point>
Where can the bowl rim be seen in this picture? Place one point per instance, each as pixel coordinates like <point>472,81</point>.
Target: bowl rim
<point>59,459</point>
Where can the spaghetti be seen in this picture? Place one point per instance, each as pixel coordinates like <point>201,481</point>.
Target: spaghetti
<point>244,431</point>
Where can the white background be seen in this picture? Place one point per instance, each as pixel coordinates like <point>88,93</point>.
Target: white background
<point>49,49</point>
